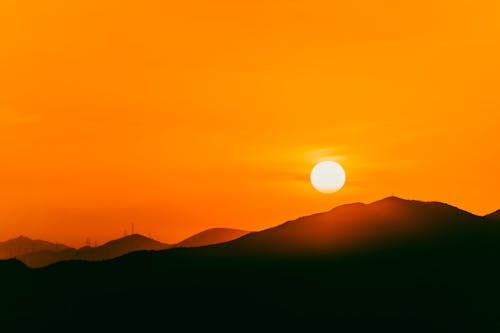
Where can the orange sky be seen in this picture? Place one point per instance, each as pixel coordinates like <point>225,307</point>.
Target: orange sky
<point>188,115</point>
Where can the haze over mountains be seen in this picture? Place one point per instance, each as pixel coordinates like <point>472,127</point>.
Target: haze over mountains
<point>109,250</point>
<point>347,227</point>
<point>22,245</point>
<point>36,253</point>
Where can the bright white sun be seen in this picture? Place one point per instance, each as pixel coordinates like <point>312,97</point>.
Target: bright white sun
<point>327,177</point>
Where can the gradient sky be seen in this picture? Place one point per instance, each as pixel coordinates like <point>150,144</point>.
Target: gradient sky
<point>188,115</point>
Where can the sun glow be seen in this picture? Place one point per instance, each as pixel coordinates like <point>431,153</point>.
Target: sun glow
<point>327,177</point>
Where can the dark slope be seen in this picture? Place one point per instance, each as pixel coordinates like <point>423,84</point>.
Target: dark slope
<point>495,216</point>
<point>355,226</point>
<point>11,267</point>
<point>444,283</point>
<point>212,236</point>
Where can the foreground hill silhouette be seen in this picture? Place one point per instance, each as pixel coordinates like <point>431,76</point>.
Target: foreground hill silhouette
<point>495,216</point>
<point>420,267</point>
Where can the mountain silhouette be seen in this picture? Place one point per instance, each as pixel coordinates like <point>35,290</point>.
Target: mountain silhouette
<point>22,245</point>
<point>343,228</point>
<point>12,267</point>
<point>417,266</point>
<point>109,250</point>
<point>212,236</point>
<point>121,246</point>
<point>358,225</point>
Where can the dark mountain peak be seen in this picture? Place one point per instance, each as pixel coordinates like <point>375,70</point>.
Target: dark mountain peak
<point>133,238</point>
<point>389,206</point>
<point>395,204</point>
<point>139,237</point>
<point>22,245</point>
<point>359,225</point>
<point>38,242</point>
<point>18,240</point>
<point>124,241</point>
<point>391,200</point>
<point>394,201</point>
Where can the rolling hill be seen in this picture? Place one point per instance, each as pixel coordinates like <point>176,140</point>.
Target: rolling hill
<point>121,246</point>
<point>109,250</point>
<point>212,236</point>
<point>22,245</point>
<point>355,226</point>
<point>344,228</point>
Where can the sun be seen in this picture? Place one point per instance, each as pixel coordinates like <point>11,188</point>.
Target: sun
<point>327,177</point>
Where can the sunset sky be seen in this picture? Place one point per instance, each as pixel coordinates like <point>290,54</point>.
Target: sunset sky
<point>181,116</point>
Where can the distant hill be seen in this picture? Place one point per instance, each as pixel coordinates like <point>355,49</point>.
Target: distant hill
<point>109,250</point>
<point>121,246</point>
<point>212,236</point>
<point>22,245</point>
<point>358,225</point>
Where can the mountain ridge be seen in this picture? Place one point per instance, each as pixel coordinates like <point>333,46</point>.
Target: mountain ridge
<point>357,224</point>
<point>212,236</point>
<point>341,228</point>
<point>124,245</point>
<point>445,276</point>
<point>22,245</point>
<point>109,250</point>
